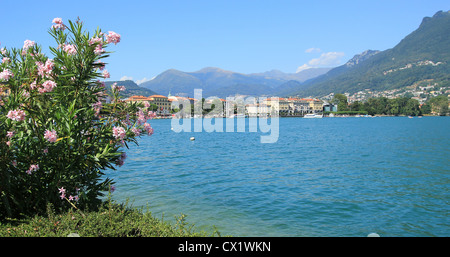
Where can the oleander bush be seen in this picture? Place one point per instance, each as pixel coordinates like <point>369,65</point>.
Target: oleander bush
<point>59,129</point>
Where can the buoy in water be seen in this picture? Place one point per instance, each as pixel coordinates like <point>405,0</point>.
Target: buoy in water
<point>192,138</point>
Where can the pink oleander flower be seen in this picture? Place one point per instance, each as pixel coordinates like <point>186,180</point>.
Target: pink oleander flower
<point>119,133</point>
<point>3,51</point>
<point>33,167</point>
<point>115,87</point>
<point>106,74</point>
<point>148,128</point>
<point>58,24</point>
<point>70,49</point>
<point>17,115</point>
<point>10,134</point>
<point>50,136</point>
<point>96,40</point>
<point>141,117</point>
<point>5,60</point>
<point>99,50</point>
<point>151,115</point>
<point>46,69</point>
<point>136,131</point>
<point>97,107</point>
<point>62,192</point>
<point>48,86</point>
<point>112,37</point>
<point>27,44</point>
<point>6,74</point>
<point>57,21</point>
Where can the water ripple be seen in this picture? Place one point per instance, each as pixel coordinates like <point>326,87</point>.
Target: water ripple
<point>324,177</point>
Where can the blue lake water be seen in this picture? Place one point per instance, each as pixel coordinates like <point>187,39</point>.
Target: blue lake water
<point>323,177</point>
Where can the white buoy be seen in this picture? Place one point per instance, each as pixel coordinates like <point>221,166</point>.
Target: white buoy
<point>373,235</point>
<point>192,138</point>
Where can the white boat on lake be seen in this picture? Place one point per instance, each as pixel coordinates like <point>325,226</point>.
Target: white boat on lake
<point>313,115</point>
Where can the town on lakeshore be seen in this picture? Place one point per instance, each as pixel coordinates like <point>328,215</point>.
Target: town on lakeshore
<point>421,98</point>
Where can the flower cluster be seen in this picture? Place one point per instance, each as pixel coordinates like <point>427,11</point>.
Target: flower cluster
<point>28,44</point>
<point>47,86</point>
<point>17,115</point>
<point>58,24</point>
<point>33,167</point>
<point>62,194</point>
<point>117,88</point>
<point>6,74</point>
<point>97,107</point>
<point>106,74</point>
<point>70,49</point>
<point>50,136</point>
<point>112,37</point>
<point>148,128</point>
<point>119,133</point>
<point>46,69</point>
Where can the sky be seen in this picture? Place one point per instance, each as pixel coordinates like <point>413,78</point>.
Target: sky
<point>245,36</point>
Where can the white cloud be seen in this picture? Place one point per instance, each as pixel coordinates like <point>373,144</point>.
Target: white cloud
<point>313,50</point>
<point>328,59</point>
<point>126,78</point>
<point>140,81</point>
<point>303,67</point>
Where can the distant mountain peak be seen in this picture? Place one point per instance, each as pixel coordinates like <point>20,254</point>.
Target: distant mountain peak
<point>361,57</point>
<point>437,15</point>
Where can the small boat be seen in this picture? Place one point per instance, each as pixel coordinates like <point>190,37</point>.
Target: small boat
<point>313,115</point>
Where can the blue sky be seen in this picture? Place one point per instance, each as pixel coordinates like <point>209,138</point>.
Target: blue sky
<point>246,36</point>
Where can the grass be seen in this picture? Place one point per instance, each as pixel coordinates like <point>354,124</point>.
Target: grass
<point>111,220</point>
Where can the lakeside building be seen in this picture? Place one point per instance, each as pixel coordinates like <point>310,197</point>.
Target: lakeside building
<point>329,107</point>
<point>162,102</point>
<point>295,106</point>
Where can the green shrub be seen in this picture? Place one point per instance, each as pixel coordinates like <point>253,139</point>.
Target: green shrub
<point>57,131</point>
<point>110,220</point>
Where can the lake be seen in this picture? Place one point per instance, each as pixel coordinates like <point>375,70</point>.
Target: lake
<point>323,177</point>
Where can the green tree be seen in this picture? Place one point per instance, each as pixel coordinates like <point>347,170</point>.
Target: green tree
<point>439,104</point>
<point>412,107</point>
<point>341,101</point>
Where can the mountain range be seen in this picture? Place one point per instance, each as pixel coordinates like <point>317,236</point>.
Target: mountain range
<point>218,82</point>
<point>422,55</point>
